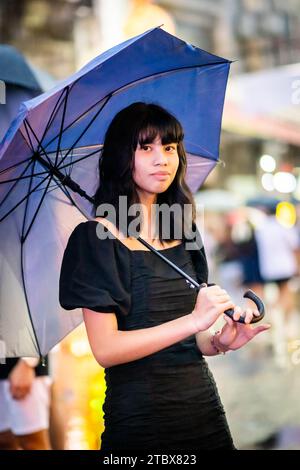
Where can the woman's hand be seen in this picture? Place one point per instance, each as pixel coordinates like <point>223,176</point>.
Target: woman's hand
<point>234,335</point>
<point>210,304</point>
<point>21,380</point>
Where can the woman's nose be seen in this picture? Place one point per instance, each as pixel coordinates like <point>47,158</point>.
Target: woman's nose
<point>160,156</point>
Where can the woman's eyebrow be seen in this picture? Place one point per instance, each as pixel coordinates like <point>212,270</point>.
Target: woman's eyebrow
<point>159,143</point>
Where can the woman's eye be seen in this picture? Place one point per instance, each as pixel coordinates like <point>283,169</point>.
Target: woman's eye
<point>146,147</point>
<point>170,148</point>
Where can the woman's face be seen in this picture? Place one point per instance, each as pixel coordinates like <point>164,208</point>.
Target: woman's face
<point>155,166</point>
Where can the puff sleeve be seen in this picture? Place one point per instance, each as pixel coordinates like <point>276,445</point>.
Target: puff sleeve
<point>95,273</point>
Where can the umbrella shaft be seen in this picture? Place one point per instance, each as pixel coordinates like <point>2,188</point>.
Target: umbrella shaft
<point>65,179</point>
<point>173,265</point>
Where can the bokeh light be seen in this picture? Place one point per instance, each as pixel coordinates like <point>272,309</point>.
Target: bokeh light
<point>267,163</point>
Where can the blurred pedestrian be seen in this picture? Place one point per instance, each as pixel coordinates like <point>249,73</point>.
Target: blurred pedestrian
<point>249,258</point>
<point>277,254</point>
<point>24,404</point>
<point>230,269</point>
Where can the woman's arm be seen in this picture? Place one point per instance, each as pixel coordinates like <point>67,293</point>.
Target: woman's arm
<point>111,346</point>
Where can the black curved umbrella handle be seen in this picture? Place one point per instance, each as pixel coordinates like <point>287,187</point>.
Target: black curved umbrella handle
<point>249,294</point>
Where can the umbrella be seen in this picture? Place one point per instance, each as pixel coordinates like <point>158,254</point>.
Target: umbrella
<point>22,82</point>
<point>49,159</point>
<point>263,201</point>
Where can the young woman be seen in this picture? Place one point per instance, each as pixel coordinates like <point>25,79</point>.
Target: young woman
<point>145,325</point>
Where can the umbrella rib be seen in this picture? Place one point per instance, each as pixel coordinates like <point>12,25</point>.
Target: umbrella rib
<point>50,165</point>
<point>15,165</point>
<point>62,125</point>
<point>56,110</point>
<point>79,159</point>
<point>27,303</point>
<point>23,177</point>
<point>66,192</point>
<point>53,113</point>
<point>65,179</point>
<point>129,84</point>
<point>42,172</point>
<point>25,140</point>
<point>165,72</point>
<point>30,144</point>
<point>36,212</point>
<point>23,199</point>
<point>27,202</point>
<point>23,278</point>
<point>84,131</point>
<point>28,135</point>
<point>14,185</point>
<point>39,143</point>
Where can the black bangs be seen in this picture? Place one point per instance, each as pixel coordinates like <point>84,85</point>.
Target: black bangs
<point>157,122</point>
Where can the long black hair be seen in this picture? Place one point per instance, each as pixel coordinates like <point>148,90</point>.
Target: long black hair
<point>140,123</point>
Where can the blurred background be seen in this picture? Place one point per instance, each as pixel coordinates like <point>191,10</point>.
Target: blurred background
<point>249,204</point>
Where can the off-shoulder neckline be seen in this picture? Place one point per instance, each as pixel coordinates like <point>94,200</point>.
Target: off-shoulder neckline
<point>136,251</point>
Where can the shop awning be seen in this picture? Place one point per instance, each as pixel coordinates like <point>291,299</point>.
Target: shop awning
<point>265,104</point>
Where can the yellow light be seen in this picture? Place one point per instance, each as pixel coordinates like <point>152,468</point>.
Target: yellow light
<point>286,214</point>
<point>80,347</point>
<point>95,404</point>
<point>143,15</point>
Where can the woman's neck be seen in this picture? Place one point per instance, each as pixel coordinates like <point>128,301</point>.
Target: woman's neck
<point>148,226</point>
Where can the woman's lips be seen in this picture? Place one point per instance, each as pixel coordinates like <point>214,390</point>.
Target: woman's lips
<point>161,176</point>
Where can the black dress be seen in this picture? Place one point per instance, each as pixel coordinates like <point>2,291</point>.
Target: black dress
<point>165,401</point>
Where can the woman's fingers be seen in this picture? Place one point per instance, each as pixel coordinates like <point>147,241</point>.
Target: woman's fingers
<point>247,314</point>
<point>217,290</point>
<point>228,320</point>
<point>222,298</point>
<point>221,292</point>
<point>225,306</point>
<point>237,313</point>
